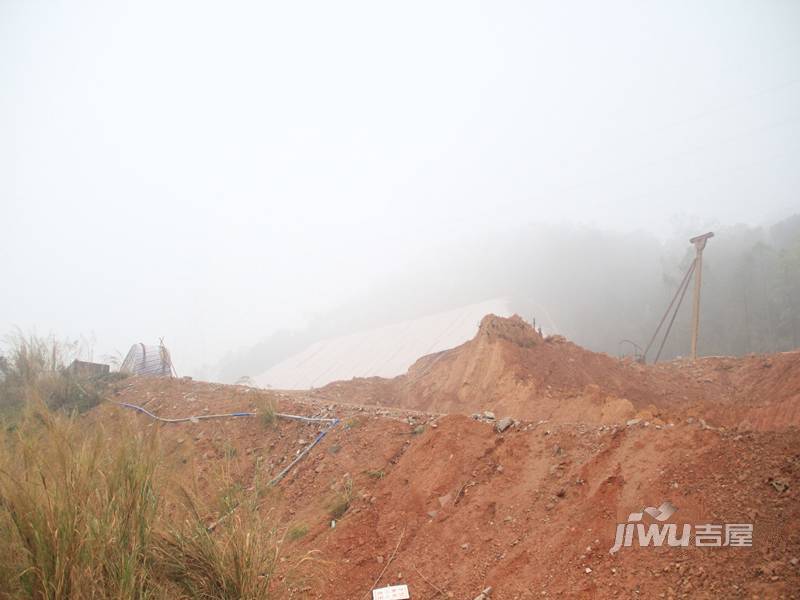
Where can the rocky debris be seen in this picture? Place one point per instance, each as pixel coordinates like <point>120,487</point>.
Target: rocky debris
<point>486,416</point>
<point>513,329</point>
<point>779,485</point>
<point>486,594</point>
<point>503,424</point>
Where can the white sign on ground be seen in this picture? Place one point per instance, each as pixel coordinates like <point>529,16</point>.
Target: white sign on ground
<point>392,592</point>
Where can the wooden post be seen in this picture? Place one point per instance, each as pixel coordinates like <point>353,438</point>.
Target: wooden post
<point>699,245</point>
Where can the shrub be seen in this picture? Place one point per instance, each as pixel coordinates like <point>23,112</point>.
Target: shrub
<point>341,503</point>
<point>237,560</point>
<point>35,370</point>
<point>295,532</point>
<point>266,410</point>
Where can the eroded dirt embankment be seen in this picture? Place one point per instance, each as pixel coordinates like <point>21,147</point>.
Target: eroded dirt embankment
<point>511,370</point>
<point>457,506</point>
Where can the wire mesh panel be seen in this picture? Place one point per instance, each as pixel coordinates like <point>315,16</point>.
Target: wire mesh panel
<point>148,360</point>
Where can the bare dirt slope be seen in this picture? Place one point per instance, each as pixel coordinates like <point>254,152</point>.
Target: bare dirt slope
<point>511,370</point>
<point>450,506</point>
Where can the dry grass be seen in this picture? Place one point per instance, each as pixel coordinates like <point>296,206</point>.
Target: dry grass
<point>297,531</point>
<point>82,515</point>
<point>341,502</point>
<point>76,512</point>
<point>266,409</point>
<point>84,510</point>
<point>237,560</point>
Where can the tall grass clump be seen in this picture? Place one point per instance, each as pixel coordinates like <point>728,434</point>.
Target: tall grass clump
<point>88,511</point>
<point>235,560</point>
<point>342,500</point>
<point>83,514</point>
<point>76,511</point>
<point>267,410</point>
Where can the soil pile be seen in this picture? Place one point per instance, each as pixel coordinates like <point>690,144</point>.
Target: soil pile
<point>507,368</point>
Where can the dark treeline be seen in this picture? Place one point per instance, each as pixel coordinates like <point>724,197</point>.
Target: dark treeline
<point>595,287</point>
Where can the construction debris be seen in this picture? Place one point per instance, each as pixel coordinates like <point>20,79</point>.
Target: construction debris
<point>154,361</point>
<point>88,370</point>
<point>504,424</point>
<point>484,595</point>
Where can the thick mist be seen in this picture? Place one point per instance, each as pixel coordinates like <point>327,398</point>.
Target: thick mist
<point>243,180</point>
<point>600,289</point>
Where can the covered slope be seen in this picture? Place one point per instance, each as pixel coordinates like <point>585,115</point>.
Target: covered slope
<point>384,351</point>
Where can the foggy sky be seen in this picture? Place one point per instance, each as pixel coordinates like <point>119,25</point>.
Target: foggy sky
<point>210,172</point>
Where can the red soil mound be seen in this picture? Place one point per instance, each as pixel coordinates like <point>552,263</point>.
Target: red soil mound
<point>509,369</point>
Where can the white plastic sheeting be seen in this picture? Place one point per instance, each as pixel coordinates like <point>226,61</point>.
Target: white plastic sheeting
<point>386,351</point>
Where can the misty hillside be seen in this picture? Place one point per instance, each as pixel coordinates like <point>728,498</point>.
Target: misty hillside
<point>350,300</point>
<point>597,288</point>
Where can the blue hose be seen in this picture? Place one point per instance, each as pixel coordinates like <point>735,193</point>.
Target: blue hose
<point>333,422</point>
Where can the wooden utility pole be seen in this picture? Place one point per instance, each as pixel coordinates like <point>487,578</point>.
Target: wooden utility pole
<point>699,245</point>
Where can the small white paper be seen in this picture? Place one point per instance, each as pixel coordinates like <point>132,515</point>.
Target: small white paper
<point>393,592</point>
